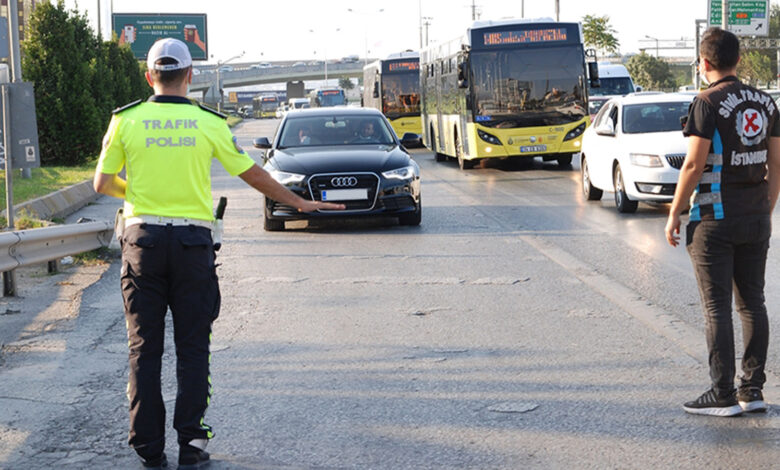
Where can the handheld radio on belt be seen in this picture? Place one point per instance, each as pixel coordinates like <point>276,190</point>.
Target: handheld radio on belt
<point>218,224</point>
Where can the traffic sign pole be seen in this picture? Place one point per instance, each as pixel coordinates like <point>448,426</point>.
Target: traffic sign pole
<point>724,16</point>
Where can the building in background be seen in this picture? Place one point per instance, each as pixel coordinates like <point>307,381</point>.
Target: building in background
<point>25,8</point>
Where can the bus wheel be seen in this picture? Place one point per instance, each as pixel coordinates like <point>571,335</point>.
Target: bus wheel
<point>438,156</point>
<point>462,162</point>
<point>564,160</point>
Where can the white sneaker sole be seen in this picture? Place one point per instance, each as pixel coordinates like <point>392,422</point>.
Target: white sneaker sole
<point>753,406</point>
<point>734,410</point>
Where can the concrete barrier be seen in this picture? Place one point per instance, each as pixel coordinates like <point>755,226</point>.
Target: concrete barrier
<point>59,203</point>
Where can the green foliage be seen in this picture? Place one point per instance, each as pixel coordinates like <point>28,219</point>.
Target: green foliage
<point>650,72</point>
<point>346,83</point>
<point>756,67</point>
<point>599,34</point>
<point>78,80</point>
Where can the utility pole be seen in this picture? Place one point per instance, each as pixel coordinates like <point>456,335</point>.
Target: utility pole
<point>557,10</point>
<point>522,8</point>
<point>99,21</point>
<point>473,10</point>
<point>419,5</point>
<point>426,23</point>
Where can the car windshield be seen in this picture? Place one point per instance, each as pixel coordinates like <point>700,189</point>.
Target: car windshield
<point>612,86</point>
<point>654,117</point>
<point>335,130</point>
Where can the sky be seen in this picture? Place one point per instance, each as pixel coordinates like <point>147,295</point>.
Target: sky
<point>269,30</point>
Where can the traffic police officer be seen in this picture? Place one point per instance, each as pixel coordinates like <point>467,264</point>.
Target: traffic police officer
<point>166,145</point>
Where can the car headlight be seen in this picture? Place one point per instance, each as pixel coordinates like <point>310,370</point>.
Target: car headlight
<point>285,178</point>
<point>576,132</point>
<point>489,138</point>
<point>405,173</point>
<point>642,159</point>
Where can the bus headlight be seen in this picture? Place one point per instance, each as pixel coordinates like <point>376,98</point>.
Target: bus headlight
<point>405,173</point>
<point>576,132</point>
<point>286,179</point>
<point>650,161</point>
<point>489,138</point>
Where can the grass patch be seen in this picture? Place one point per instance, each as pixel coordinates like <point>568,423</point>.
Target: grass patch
<point>102,255</point>
<point>44,181</point>
<point>233,120</point>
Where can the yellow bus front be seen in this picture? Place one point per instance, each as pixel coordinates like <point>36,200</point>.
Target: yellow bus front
<point>405,124</point>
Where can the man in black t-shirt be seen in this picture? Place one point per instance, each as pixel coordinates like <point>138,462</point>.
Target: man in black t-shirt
<point>732,176</point>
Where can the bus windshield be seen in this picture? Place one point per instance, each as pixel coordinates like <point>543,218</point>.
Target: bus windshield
<point>613,86</point>
<point>528,87</point>
<point>331,98</point>
<point>401,94</point>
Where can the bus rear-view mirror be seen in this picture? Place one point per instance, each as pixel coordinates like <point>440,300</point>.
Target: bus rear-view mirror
<point>376,90</point>
<point>593,74</point>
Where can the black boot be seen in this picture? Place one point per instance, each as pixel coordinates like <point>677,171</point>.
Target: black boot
<point>191,458</point>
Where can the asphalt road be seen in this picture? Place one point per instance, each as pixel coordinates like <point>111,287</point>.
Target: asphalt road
<point>518,327</point>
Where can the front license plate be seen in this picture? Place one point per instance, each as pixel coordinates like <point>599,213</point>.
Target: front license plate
<point>534,148</point>
<point>345,194</point>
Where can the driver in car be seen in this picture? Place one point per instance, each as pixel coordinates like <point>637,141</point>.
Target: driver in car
<point>366,133</point>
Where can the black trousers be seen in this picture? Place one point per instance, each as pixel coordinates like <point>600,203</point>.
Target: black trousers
<point>725,254</point>
<point>165,266</point>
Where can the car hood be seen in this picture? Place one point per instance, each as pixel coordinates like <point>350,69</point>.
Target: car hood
<point>656,143</point>
<point>353,158</point>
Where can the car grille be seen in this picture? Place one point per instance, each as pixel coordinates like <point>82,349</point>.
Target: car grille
<point>675,159</point>
<point>369,181</point>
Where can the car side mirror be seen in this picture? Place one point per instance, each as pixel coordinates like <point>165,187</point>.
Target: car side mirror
<point>593,75</point>
<point>410,140</point>
<point>261,143</point>
<point>607,128</point>
<point>638,88</point>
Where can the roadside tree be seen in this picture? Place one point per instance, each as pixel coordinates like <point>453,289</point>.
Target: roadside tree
<point>346,83</point>
<point>599,34</point>
<point>650,72</point>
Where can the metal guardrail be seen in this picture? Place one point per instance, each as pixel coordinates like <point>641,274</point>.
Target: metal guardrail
<point>39,245</point>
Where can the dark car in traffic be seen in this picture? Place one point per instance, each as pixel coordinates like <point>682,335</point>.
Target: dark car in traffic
<point>345,155</point>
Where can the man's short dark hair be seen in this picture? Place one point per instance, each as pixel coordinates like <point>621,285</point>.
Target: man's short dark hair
<point>168,77</point>
<point>720,48</point>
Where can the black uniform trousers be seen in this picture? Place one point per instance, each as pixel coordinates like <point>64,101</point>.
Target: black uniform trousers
<point>162,266</point>
<point>730,254</point>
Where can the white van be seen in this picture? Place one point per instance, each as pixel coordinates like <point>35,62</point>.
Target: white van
<point>298,103</point>
<point>615,81</point>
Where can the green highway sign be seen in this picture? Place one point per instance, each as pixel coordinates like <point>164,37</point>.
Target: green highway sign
<point>141,30</point>
<point>745,17</point>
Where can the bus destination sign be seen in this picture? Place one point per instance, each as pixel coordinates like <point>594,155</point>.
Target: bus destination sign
<point>407,66</point>
<point>528,36</point>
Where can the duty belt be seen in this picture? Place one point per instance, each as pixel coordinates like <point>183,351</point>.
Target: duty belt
<point>159,220</point>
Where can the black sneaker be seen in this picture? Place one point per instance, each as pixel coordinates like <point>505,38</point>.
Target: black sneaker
<point>191,458</point>
<point>159,463</point>
<point>709,403</point>
<point>751,400</point>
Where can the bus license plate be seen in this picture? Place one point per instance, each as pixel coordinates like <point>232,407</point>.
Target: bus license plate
<point>345,194</point>
<point>534,148</point>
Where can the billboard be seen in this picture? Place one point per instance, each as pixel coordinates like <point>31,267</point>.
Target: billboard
<point>141,30</point>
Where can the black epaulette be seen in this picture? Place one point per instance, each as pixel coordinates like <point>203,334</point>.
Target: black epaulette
<point>127,106</point>
<point>211,110</point>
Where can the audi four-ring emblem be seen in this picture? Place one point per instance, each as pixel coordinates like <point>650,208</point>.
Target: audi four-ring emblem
<point>344,181</point>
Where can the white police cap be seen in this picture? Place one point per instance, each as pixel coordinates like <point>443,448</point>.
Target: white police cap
<point>169,48</point>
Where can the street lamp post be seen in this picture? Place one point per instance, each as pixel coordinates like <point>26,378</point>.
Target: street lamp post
<point>365,29</point>
<point>324,53</point>
<point>656,44</point>
<point>219,81</point>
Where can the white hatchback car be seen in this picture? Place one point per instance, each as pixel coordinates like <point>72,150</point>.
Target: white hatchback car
<point>635,148</point>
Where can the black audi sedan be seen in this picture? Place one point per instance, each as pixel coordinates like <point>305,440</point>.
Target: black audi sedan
<point>345,155</point>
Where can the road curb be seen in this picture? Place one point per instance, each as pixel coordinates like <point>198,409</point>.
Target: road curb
<point>59,203</point>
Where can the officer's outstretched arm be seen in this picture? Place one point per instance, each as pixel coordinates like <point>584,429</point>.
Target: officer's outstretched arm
<point>109,184</point>
<point>262,181</point>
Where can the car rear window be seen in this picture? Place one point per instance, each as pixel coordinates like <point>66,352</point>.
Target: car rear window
<point>654,117</point>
